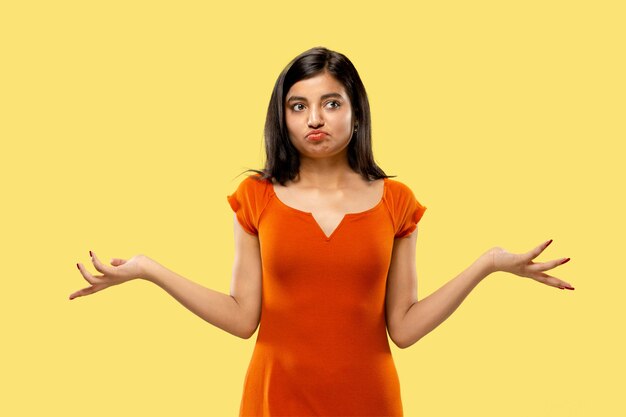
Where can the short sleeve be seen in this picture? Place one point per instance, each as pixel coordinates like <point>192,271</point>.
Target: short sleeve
<point>409,211</point>
<point>244,202</point>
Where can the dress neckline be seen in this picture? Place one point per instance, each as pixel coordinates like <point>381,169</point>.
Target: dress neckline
<point>345,215</point>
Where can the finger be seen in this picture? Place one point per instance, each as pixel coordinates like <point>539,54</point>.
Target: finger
<point>544,266</point>
<point>78,293</point>
<point>118,261</point>
<point>99,265</point>
<point>537,250</point>
<point>541,277</point>
<point>553,281</point>
<point>84,291</point>
<point>87,275</point>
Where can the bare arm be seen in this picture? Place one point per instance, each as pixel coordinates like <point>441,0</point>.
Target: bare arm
<point>409,320</point>
<point>238,313</point>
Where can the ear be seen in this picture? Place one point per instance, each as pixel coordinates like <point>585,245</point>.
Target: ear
<point>355,118</point>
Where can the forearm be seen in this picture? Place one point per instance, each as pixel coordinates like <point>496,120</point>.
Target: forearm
<point>425,315</point>
<point>219,309</point>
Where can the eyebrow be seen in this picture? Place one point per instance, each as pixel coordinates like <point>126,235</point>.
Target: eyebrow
<point>325,96</point>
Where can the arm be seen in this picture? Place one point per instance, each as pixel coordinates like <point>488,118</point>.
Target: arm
<point>238,314</point>
<point>409,320</point>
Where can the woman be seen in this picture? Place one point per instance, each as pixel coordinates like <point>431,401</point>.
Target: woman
<point>325,257</point>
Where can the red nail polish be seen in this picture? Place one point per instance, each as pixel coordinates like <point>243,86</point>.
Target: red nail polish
<point>548,244</point>
<point>78,267</point>
<point>564,261</point>
<point>90,254</point>
<point>569,288</point>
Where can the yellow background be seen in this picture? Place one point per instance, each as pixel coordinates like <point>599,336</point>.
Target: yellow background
<point>124,125</point>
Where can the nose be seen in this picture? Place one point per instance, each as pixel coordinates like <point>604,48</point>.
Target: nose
<point>315,118</point>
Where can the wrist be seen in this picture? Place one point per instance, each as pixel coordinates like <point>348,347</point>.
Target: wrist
<point>487,262</point>
<point>146,268</point>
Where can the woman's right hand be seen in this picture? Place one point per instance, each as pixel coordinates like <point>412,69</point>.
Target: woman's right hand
<point>122,270</point>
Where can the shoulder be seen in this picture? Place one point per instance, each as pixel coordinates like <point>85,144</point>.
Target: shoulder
<point>254,184</point>
<point>398,191</point>
<point>249,200</point>
<point>406,210</point>
<point>253,190</point>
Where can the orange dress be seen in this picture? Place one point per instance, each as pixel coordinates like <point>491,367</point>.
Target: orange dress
<point>322,347</point>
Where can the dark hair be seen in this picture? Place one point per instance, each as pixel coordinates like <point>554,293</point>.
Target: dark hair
<point>282,158</point>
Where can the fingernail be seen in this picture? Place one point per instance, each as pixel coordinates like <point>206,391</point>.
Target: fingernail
<point>564,261</point>
<point>90,254</point>
<point>569,288</point>
<point>548,244</point>
<point>78,267</point>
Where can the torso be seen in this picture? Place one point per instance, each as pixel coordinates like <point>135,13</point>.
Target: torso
<point>328,207</point>
<point>322,346</point>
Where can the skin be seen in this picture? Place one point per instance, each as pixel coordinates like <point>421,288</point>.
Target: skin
<point>327,187</point>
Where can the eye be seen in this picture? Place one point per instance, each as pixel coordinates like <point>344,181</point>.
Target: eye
<point>337,104</point>
<point>293,107</point>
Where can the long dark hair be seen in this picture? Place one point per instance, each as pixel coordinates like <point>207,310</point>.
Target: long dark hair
<point>282,158</point>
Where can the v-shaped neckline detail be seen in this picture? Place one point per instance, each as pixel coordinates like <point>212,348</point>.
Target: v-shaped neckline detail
<point>343,218</point>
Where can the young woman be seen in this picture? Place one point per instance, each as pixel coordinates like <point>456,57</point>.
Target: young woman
<point>324,257</point>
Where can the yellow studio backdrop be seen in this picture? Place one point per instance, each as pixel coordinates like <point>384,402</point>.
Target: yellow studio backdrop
<point>125,124</point>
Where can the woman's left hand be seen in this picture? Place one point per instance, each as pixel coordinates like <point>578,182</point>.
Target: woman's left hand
<point>522,264</point>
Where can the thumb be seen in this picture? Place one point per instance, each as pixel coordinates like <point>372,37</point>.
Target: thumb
<point>117,261</point>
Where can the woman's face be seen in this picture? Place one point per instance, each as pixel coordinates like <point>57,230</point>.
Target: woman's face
<point>319,103</point>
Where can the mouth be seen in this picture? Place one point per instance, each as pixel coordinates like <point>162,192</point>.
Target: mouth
<point>316,136</point>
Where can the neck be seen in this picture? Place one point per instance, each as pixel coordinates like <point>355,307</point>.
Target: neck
<point>325,172</point>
